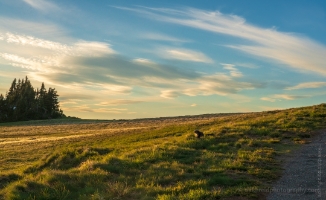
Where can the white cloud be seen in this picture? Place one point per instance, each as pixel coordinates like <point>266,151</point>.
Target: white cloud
<point>94,68</point>
<point>170,94</point>
<point>42,5</point>
<point>91,48</point>
<point>234,72</point>
<point>47,30</point>
<point>216,84</point>
<point>110,110</point>
<point>36,42</point>
<point>278,97</point>
<point>119,102</point>
<point>307,85</point>
<point>297,52</point>
<point>290,97</point>
<point>80,48</point>
<point>68,102</point>
<point>143,61</point>
<point>88,108</point>
<point>247,65</point>
<point>47,56</point>
<point>78,108</point>
<point>185,54</point>
<point>108,88</point>
<point>162,37</point>
<point>28,63</point>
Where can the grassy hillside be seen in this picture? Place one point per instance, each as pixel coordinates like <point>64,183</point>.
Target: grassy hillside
<point>151,158</point>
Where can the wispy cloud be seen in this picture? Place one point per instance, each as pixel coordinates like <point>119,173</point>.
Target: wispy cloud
<point>233,71</point>
<point>278,97</point>
<point>96,69</point>
<point>290,97</point>
<point>184,54</point>
<point>80,48</point>
<point>47,56</point>
<point>110,110</point>
<point>36,42</point>
<point>170,94</point>
<point>297,52</point>
<point>219,84</point>
<point>163,37</point>
<point>216,84</point>
<point>27,27</point>
<point>143,61</point>
<point>89,108</point>
<point>247,65</point>
<point>119,102</point>
<point>42,5</point>
<point>307,85</point>
<point>112,74</point>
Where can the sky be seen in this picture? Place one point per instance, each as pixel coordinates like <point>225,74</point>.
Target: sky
<point>131,59</point>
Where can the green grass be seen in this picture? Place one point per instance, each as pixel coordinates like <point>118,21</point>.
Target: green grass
<point>151,158</point>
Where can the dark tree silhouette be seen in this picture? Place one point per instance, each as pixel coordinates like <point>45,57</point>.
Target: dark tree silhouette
<point>22,102</point>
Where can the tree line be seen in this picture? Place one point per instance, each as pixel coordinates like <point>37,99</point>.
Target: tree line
<point>22,102</point>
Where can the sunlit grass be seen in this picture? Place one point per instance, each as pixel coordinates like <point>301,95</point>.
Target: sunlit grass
<point>151,159</point>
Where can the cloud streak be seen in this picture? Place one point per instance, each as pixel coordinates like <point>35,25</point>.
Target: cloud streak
<point>298,52</point>
<point>234,72</point>
<point>185,55</point>
<point>96,69</point>
<point>162,37</point>
<point>41,5</point>
<point>48,30</point>
<point>278,97</point>
<point>307,85</point>
<point>80,48</point>
<point>94,66</point>
<point>119,102</point>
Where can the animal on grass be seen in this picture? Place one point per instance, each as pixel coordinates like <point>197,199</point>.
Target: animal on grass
<point>198,133</point>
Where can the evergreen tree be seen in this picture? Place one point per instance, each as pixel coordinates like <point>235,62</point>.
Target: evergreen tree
<point>52,103</point>
<point>26,101</point>
<point>3,109</point>
<point>22,102</point>
<point>41,102</point>
<point>11,100</point>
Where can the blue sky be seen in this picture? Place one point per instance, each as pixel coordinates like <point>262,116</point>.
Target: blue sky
<point>135,59</point>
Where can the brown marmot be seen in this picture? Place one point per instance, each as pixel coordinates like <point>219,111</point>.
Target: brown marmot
<point>198,133</point>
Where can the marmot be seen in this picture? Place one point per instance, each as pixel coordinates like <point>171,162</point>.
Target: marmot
<point>198,133</point>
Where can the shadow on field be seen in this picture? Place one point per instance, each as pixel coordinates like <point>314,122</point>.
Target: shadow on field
<point>67,159</point>
<point>6,179</point>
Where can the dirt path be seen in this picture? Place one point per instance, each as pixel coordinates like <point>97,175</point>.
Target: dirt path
<point>305,173</point>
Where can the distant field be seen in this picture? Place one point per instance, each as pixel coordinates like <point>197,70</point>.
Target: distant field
<point>151,158</point>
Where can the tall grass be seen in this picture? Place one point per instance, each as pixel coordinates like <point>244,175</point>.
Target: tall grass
<point>152,159</point>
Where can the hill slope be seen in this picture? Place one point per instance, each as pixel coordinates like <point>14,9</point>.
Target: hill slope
<point>151,158</point>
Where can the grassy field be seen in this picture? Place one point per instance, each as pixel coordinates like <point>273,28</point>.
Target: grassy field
<point>152,158</point>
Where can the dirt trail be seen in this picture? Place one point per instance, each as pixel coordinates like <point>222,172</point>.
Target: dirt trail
<point>305,173</point>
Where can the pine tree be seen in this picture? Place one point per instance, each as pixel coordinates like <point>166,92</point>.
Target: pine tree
<point>26,102</point>
<point>50,104</point>
<point>22,102</point>
<point>11,100</point>
<point>41,101</point>
<point>3,110</point>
